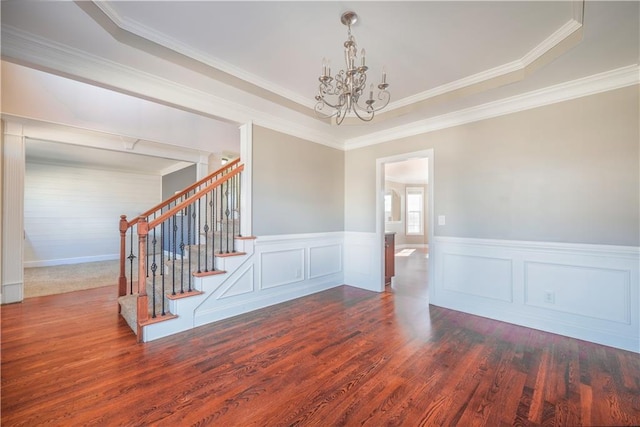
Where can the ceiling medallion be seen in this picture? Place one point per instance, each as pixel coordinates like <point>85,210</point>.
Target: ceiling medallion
<point>341,94</point>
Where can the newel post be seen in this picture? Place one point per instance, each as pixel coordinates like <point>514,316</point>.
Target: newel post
<point>122,280</point>
<point>142,309</point>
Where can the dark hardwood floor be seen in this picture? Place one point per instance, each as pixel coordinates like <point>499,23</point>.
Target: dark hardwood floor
<point>340,357</point>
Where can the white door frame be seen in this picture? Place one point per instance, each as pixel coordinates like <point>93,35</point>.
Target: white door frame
<point>380,162</point>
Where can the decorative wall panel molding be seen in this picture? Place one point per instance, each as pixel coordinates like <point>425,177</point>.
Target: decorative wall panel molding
<point>244,284</point>
<point>600,293</point>
<point>481,276</point>
<point>325,260</point>
<point>279,268</point>
<point>589,292</point>
<point>363,261</point>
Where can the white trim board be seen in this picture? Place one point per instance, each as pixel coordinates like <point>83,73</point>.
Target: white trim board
<point>603,82</point>
<point>67,261</point>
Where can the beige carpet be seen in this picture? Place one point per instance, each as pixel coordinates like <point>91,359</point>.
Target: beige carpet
<point>39,281</point>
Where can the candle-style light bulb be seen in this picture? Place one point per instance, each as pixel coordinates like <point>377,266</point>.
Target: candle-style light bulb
<point>371,91</point>
<point>324,67</point>
<point>384,74</point>
<point>363,55</point>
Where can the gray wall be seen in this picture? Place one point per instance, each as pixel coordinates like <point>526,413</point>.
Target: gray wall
<point>298,185</point>
<point>178,181</point>
<point>567,172</point>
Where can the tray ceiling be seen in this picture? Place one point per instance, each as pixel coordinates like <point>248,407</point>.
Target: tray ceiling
<point>441,57</point>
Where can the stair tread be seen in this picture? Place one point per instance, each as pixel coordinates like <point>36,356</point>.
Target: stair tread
<point>185,269</point>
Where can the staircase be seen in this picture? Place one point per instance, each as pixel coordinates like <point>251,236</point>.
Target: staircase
<point>180,252</point>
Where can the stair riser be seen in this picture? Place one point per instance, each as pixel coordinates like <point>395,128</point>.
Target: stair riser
<point>182,270</point>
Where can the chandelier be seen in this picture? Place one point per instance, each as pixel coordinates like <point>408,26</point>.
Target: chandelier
<point>343,93</point>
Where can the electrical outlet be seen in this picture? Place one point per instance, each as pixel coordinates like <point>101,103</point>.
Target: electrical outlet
<point>549,297</point>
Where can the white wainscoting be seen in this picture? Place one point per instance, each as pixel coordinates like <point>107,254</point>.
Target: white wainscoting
<point>281,268</point>
<point>363,262</point>
<point>589,292</point>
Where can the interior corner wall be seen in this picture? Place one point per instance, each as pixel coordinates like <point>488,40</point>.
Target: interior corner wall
<point>71,214</point>
<point>298,185</point>
<point>567,172</point>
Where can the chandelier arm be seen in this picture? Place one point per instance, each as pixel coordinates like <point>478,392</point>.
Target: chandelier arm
<point>364,119</point>
<point>319,111</point>
<point>385,97</point>
<point>340,115</point>
<point>322,100</point>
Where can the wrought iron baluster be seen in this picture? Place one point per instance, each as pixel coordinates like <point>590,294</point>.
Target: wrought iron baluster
<point>206,231</point>
<point>221,216</point>
<point>195,242</point>
<point>147,248</point>
<point>182,253</point>
<point>162,249</point>
<point>226,212</point>
<point>199,270</point>
<point>213,230</point>
<point>188,212</point>
<point>173,258</point>
<point>233,217</point>
<point>239,202</point>
<point>154,267</point>
<point>131,257</point>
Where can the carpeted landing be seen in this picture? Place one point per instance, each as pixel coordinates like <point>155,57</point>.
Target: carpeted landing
<point>40,281</point>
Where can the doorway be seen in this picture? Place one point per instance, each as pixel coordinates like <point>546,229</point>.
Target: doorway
<point>405,209</point>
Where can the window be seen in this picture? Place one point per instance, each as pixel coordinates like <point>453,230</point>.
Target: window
<point>415,211</point>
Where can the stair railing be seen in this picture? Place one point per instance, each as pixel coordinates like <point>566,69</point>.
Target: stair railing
<point>179,238</point>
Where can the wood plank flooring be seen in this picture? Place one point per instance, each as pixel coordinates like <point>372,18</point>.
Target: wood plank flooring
<point>338,358</point>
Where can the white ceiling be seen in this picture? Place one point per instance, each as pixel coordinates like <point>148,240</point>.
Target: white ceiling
<point>65,154</point>
<point>240,61</point>
<point>412,171</point>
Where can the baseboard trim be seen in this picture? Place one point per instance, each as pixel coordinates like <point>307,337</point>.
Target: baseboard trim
<point>12,292</point>
<point>66,261</point>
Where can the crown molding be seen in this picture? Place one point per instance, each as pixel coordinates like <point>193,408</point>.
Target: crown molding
<point>86,67</point>
<point>554,40</point>
<point>503,74</point>
<point>37,129</point>
<point>132,26</point>
<point>603,82</point>
<point>518,66</point>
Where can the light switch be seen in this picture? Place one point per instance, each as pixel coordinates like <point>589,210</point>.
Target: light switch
<point>441,220</point>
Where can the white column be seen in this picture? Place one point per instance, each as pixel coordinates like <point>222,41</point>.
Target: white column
<point>13,169</point>
<point>246,151</point>
<point>202,167</point>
